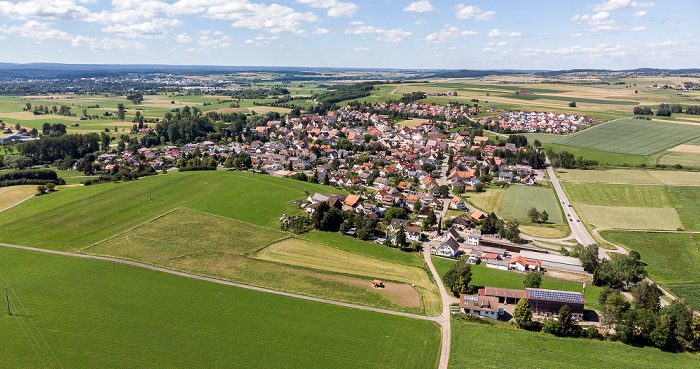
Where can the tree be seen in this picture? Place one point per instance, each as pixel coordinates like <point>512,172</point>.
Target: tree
<point>17,161</point>
<point>572,104</point>
<point>394,212</point>
<point>566,320</point>
<point>479,187</point>
<point>533,279</point>
<point>461,270</point>
<point>332,219</point>
<point>544,217</point>
<point>533,214</point>
<point>326,182</point>
<point>664,110</point>
<point>400,238</point>
<point>589,258</point>
<point>444,190</point>
<point>615,306</point>
<point>417,206</point>
<point>646,296</point>
<point>523,314</point>
<point>459,287</point>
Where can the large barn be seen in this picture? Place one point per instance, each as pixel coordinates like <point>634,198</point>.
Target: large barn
<point>548,302</point>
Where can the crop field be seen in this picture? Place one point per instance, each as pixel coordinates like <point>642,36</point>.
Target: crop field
<point>519,199</point>
<point>75,217</point>
<point>625,217</point>
<point>80,313</point>
<point>618,195</point>
<point>670,257</point>
<point>628,176</point>
<point>602,157</point>
<point>670,158</point>
<point>633,136</point>
<point>688,203</point>
<point>14,194</point>
<point>539,350</point>
<point>483,276</point>
<point>546,231</point>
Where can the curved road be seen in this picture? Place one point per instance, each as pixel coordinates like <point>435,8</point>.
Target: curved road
<point>578,230</point>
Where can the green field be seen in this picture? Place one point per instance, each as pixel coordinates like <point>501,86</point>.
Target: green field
<point>670,257</point>
<point>483,276</point>
<point>211,223</point>
<point>630,176</point>
<point>688,203</point>
<point>633,136</point>
<point>626,217</point>
<point>481,346</point>
<point>79,313</point>
<point>688,291</point>
<point>488,201</point>
<point>602,157</point>
<point>618,195</point>
<point>519,199</point>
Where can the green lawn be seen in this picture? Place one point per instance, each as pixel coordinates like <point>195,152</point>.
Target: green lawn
<point>618,195</point>
<point>90,313</point>
<point>670,257</point>
<point>519,199</point>
<point>481,346</point>
<point>689,291</point>
<point>688,203</point>
<point>633,136</point>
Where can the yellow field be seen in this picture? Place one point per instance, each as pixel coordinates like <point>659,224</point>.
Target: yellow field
<point>487,201</point>
<point>675,178</point>
<point>624,217</point>
<point>625,176</point>
<point>14,194</point>
<point>558,231</point>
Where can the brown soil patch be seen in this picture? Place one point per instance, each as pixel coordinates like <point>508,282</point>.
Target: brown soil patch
<point>695,149</point>
<point>572,276</point>
<point>399,293</point>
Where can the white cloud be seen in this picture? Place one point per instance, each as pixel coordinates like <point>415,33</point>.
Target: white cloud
<point>195,50</point>
<point>48,9</point>
<point>665,43</point>
<point>42,31</point>
<point>360,48</point>
<point>640,13</point>
<point>600,16</point>
<point>635,29</point>
<point>473,12</point>
<point>601,50</point>
<point>419,7</point>
<point>489,50</point>
<point>620,4</point>
<point>335,8</point>
<point>320,31</point>
<point>356,23</point>
<point>445,34</point>
<point>387,35</point>
<point>108,44</point>
<point>156,28</point>
<point>498,33</point>
<point>212,42</point>
<point>183,38</point>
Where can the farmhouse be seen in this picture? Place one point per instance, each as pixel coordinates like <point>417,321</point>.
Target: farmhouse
<point>548,302</point>
<point>524,264</point>
<point>479,305</point>
<point>504,295</point>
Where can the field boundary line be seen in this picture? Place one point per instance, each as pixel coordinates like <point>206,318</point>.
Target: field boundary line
<point>129,229</point>
<point>234,284</point>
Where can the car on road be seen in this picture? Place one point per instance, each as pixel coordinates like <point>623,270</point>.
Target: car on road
<point>571,220</point>
<point>578,220</point>
<point>569,205</point>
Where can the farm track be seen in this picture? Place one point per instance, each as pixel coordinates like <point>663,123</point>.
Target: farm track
<point>17,203</point>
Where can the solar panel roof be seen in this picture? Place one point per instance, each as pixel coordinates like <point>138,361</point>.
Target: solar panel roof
<point>552,295</point>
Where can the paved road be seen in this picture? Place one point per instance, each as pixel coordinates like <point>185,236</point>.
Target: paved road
<point>261,289</point>
<point>578,230</point>
<point>444,318</point>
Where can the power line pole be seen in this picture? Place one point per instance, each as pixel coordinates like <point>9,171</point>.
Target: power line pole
<point>7,297</point>
<point>149,193</point>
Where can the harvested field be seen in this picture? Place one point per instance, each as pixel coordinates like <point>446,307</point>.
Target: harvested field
<point>615,176</point>
<point>552,231</point>
<point>488,201</point>
<point>695,149</point>
<point>14,194</point>
<point>676,178</point>
<point>625,217</point>
<point>400,293</point>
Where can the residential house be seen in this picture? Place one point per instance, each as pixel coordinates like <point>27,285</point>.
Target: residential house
<point>457,204</point>
<point>524,264</point>
<point>396,223</point>
<point>479,305</point>
<point>448,248</point>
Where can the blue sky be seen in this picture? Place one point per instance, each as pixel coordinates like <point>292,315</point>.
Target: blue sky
<point>428,34</point>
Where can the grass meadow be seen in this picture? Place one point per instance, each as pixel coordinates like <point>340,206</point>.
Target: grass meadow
<point>688,291</point>
<point>687,201</point>
<point>500,348</point>
<point>14,194</point>
<point>630,176</point>
<point>618,195</point>
<point>626,217</point>
<point>519,199</point>
<point>90,313</point>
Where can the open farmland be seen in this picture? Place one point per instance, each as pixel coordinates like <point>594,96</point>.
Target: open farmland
<point>519,199</point>
<point>670,257</point>
<point>688,203</point>
<point>14,194</point>
<point>80,313</point>
<point>633,136</point>
<point>629,176</point>
<point>618,195</point>
<point>488,201</point>
<point>688,291</point>
<point>625,217</point>
<point>539,350</point>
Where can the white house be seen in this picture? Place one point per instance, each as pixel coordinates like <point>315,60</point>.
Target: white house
<point>413,233</point>
<point>457,204</point>
<point>524,264</point>
<point>448,248</point>
<point>479,305</point>
<point>474,238</point>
